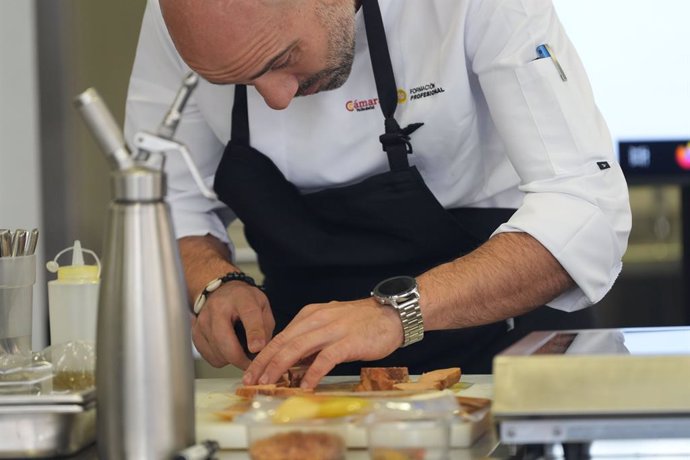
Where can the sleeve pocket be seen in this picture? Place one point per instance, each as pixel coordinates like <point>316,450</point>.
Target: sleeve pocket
<point>566,119</point>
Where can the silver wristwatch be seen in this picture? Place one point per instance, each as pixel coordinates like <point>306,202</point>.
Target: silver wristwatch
<point>401,293</point>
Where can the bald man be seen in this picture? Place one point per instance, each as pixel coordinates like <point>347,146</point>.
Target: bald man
<point>445,188</point>
<point>236,41</point>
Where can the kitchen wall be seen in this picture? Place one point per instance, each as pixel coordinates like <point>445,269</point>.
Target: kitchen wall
<point>20,184</point>
<point>81,44</point>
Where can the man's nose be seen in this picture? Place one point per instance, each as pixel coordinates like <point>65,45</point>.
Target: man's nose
<point>277,90</point>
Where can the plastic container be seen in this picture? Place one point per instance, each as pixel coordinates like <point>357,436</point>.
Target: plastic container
<point>412,439</point>
<point>322,439</point>
<point>73,297</point>
<point>74,365</point>
<point>305,438</point>
<point>31,379</point>
<point>416,427</point>
<point>17,278</point>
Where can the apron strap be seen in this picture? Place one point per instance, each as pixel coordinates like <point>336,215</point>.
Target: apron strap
<point>239,130</point>
<point>395,141</point>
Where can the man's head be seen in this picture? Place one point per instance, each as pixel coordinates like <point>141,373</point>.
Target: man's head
<point>285,48</point>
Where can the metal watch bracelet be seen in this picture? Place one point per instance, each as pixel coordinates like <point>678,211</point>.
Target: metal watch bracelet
<point>412,321</point>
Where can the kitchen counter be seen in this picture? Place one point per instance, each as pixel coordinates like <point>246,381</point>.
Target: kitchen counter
<point>213,395</point>
<point>481,449</point>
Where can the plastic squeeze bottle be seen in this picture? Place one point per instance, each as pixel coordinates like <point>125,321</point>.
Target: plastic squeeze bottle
<point>73,297</point>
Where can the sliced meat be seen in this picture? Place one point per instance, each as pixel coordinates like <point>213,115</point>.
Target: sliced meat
<point>283,381</point>
<point>296,374</point>
<point>381,378</point>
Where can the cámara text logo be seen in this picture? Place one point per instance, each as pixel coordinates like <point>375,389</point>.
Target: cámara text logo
<point>404,96</point>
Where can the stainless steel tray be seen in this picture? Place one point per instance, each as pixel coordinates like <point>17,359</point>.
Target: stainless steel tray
<point>35,426</point>
<point>82,398</point>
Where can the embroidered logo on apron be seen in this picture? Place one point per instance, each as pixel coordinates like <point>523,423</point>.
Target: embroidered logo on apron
<point>412,94</point>
<point>427,90</point>
<point>361,105</point>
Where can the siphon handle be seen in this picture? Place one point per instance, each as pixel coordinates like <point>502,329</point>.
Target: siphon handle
<point>104,128</point>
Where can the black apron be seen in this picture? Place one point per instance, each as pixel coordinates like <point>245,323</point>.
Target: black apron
<point>337,244</point>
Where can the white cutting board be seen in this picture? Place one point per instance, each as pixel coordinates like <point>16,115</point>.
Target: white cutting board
<point>213,395</point>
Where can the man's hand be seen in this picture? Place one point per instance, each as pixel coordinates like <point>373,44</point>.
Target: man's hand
<point>213,331</point>
<point>204,259</point>
<point>507,276</point>
<point>335,332</point>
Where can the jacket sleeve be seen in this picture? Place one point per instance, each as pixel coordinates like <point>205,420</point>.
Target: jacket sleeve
<point>156,76</point>
<point>576,199</point>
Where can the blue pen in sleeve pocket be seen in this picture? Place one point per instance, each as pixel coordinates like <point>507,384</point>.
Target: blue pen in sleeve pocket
<point>543,52</point>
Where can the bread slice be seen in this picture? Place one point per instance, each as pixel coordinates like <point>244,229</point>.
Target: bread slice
<point>445,378</point>
<point>417,386</point>
<point>249,391</point>
<point>271,389</point>
<point>284,392</point>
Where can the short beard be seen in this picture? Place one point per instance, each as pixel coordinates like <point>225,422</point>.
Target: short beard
<point>340,23</point>
<point>333,78</point>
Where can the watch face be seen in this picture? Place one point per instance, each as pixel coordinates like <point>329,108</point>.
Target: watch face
<point>395,286</point>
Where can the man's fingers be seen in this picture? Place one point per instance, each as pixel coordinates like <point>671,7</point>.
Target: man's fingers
<point>233,304</point>
<point>203,347</point>
<point>324,363</point>
<point>334,333</point>
<point>286,349</point>
<point>295,342</point>
<point>269,323</point>
<point>253,321</point>
<point>224,341</point>
<point>257,368</point>
<point>239,359</point>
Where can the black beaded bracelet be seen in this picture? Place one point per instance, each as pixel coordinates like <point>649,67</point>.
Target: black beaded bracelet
<point>218,282</point>
<point>240,276</point>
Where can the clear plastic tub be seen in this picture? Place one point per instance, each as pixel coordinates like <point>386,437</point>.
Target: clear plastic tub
<point>17,278</point>
<point>411,439</point>
<point>417,427</point>
<point>31,379</point>
<point>300,432</point>
<point>317,439</point>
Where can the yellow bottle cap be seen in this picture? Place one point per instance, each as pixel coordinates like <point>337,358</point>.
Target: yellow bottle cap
<point>84,273</point>
<point>77,272</point>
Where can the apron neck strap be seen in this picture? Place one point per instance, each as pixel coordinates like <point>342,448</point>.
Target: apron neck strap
<point>396,140</point>
<point>380,58</point>
<point>239,134</point>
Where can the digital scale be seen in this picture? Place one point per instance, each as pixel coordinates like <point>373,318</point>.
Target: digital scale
<point>577,387</point>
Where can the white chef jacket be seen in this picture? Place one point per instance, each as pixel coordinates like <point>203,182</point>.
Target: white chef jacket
<point>502,129</point>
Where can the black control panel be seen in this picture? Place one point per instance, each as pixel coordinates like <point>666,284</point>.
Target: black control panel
<point>663,162</point>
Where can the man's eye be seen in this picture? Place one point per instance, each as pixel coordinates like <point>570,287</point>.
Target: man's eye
<point>281,64</point>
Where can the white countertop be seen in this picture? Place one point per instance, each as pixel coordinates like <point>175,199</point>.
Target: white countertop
<point>215,394</point>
